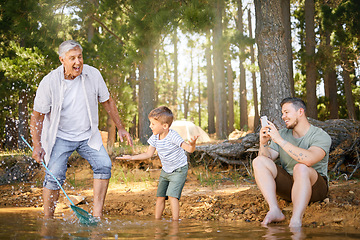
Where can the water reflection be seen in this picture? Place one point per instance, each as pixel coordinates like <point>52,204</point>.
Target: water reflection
<point>171,233</point>
<point>31,225</point>
<point>277,232</point>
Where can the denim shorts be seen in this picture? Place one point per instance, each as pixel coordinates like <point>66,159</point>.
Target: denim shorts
<point>99,160</point>
<point>171,184</point>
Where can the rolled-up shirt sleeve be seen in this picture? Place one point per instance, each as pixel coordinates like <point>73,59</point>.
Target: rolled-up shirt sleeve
<point>42,102</point>
<point>103,92</point>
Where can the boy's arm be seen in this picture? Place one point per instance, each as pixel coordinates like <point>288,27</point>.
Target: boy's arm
<point>190,146</point>
<point>148,154</point>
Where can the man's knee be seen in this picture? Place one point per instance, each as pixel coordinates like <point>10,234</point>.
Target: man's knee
<point>259,162</point>
<point>301,169</point>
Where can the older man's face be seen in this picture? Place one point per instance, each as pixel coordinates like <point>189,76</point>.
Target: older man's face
<point>73,63</point>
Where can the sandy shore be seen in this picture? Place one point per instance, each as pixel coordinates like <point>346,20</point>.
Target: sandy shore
<point>134,195</point>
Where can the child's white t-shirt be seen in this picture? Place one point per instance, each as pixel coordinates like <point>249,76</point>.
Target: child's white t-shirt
<point>169,150</point>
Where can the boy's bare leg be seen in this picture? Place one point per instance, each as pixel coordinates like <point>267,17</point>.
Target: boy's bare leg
<point>50,197</point>
<point>159,208</point>
<point>304,178</point>
<point>100,190</point>
<point>175,208</point>
<point>265,173</point>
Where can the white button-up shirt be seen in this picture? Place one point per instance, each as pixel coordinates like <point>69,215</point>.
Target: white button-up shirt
<point>49,98</point>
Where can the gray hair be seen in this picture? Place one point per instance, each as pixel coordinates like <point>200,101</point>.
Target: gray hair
<point>67,46</point>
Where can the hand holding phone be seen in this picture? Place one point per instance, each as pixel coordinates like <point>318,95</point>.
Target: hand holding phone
<point>264,122</point>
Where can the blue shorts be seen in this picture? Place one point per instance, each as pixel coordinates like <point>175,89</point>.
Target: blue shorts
<point>171,184</point>
<point>99,160</point>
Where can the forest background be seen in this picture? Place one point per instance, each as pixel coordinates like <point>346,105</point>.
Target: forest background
<point>218,63</point>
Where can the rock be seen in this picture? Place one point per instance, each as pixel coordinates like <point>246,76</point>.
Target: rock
<point>75,199</point>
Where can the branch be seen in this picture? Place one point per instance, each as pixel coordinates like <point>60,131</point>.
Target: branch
<point>107,29</point>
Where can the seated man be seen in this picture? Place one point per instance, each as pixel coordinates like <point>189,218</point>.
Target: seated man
<point>303,151</point>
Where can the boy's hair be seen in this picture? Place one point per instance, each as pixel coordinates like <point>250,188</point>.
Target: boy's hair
<point>162,114</point>
<point>297,103</point>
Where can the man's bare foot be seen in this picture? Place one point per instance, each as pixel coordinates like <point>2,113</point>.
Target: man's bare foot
<point>273,216</point>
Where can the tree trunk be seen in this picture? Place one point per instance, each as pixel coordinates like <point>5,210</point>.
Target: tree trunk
<point>285,8</point>
<point>199,93</point>
<point>311,99</point>
<point>133,84</point>
<point>186,103</point>
<point>274,70</point>
<point>167,95</point>
<point>23,118</point>
<point>230,95</point>
<point>330,80</point>
<point>210,86</point>
<point>90,27</point>
<point>243,100</point>
<point>175,89</point>
<point>157,76</point>
<point>146,93</point>
<point>219,74</point>
<point>346,69</point>
<point>253,76</point>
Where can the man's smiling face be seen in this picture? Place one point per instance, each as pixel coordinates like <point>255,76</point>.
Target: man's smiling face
<point>73,63</point>
<point>290,115</point>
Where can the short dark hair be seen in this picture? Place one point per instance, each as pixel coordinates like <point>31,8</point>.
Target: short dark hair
<point>162,114</point>
<point>297,103</point>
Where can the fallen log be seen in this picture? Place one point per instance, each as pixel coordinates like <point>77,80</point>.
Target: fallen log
<point>344,149</point>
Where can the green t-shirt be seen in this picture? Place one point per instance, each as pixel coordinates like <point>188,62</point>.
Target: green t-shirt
<point>314,137</point>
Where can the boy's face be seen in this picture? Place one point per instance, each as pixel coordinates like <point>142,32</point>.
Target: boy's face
<point>157,127</point>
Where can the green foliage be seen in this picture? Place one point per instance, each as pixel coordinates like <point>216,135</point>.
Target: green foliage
<point>21,68</point>
<point>197,15</point>
<point>24,66</point>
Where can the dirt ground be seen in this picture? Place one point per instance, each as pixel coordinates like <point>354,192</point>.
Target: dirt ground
<point>132,192</point>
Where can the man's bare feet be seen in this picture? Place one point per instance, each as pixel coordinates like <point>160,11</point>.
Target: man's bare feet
<point>273,216</point>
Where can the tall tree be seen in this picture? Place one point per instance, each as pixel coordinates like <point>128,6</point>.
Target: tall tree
<point>253,75</point>
<point>210,85</point>
<point>274,71</point>
<point>243,92</point>
<point>230,104</point>
<point>219,74</point>
<point>285,9</point>
<point>148,20</point>
<point>146,92</point>
<point>347,68</point>
<point>199,91</point>
<point>176,63</point>
<point>311,71</point>
<point>328,61</point>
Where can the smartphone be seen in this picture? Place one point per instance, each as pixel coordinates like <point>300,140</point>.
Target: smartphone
<point>264,122</point>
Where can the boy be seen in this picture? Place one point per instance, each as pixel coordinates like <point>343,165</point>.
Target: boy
<point>170,148</point>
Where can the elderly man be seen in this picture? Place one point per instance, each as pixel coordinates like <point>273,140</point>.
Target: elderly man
<point>65,119</point>
<point>303,150</point>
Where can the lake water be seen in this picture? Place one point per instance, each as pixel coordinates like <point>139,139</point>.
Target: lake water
<point>24,224</point>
